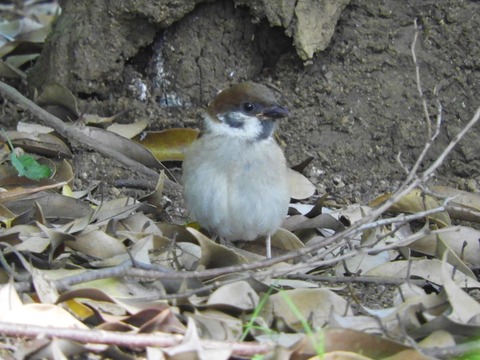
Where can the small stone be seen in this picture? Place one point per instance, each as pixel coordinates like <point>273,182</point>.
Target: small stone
<point>471,185</point>
<point>338,182</point>
<point>315,172</point>
<point>337,179</point>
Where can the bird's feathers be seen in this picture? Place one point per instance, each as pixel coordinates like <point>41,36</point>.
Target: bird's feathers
<point>235,174</point>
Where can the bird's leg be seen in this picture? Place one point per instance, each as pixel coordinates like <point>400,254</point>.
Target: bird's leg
<point>222,241</point>
<point>268,245</point>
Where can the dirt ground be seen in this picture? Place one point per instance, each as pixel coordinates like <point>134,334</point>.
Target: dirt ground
<point>354,106</point>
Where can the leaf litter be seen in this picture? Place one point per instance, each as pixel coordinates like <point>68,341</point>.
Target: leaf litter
<point>110,265</point>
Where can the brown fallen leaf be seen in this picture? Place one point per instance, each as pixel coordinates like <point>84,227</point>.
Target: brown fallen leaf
<point>58,95</point>
<point>215,255</point>
<point>461,240</point>
<point>462,205</point>
<point>168,145</point>
<point>97,243</point>
<point>414,202</point>
<point>39,143</point>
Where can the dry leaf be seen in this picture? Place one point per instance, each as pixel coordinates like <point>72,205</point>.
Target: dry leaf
<point>372,346</point>
<point>430,270</point>
<point>464,307</point>
<point>168,145</point>
<point>300,187</point>
<point>98,244</point>
<point>414,202</point>
<point>39,143</point>
<point>315,306</point>
<point>437,339</point>
<point>42,314</point>
<point>191,347</point>
<point>217,325</point>
<point>461,240</point>
<point>57,95</point>
<point>239,295</point>
<point>462,205</point>
<point>9,299</point>
<point>215,255</point>
<point>129,131</point>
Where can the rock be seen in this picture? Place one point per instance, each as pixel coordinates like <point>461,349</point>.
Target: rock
<point>311,23</point>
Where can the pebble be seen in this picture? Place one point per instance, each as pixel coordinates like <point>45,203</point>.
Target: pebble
<point>338,182</point>
<point>471,185</point>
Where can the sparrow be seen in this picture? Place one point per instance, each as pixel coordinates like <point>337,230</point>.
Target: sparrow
<point>235,174</point>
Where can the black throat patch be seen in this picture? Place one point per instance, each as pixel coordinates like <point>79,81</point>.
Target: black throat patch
<point>268,126</point>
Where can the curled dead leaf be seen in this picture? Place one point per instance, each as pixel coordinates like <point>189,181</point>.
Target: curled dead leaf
<point>215,255</point>
<point>58,95</point>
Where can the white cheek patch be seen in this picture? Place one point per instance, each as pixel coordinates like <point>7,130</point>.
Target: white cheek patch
<point>235,124</point>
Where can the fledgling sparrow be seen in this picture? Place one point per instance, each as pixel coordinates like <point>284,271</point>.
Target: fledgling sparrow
<point>235,175</point>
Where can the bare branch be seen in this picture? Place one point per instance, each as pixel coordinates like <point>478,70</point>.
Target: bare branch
<point>132,341</point>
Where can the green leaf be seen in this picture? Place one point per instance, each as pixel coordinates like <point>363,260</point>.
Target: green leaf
<point>30,168</point>
<point>26,165</point>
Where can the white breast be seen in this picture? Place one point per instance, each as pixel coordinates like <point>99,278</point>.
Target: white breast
<point>238,188</point>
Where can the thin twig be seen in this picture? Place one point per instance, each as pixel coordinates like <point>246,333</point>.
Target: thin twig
<point>419,83</point>
<point>402,218</point>
<point>380,280</point>
<point>132,341</point>
<point>430,138</point>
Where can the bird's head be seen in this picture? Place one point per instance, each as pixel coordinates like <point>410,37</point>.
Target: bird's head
<point>246,110</point>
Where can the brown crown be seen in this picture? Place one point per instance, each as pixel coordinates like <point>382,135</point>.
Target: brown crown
<point>231,98</point>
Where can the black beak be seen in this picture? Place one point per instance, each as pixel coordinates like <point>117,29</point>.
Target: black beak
<point>275,112</point>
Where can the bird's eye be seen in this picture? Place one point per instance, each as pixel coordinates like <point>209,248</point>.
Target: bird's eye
<point>248,107</point>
